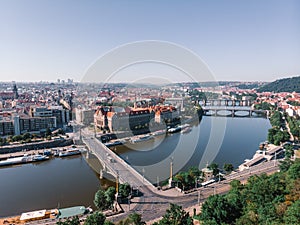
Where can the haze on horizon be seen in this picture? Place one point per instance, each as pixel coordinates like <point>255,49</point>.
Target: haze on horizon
<point>238,40</point>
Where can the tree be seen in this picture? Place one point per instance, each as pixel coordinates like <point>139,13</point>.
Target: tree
<point>97,218</point>
<point>100,200</point>
<point>175,215</point>
<point>228,167</point>
<point>294,171</point>
<point>110,196</point>
<point>124,190</point>
<point>215,168</point>
<point>73,221</point>
<point>107,222</point>
<point>292,215</point>
<point>289,151</point>
<point>285,165</point>
<point>217,209</point>
<point>136,219</point>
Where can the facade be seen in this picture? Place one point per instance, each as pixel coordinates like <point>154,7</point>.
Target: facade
<point>33,124</point>
<point>165,113</point>
<point>84,116</point>
<point>6,127</point>
<point>120,119</point>
<point>62,115</point>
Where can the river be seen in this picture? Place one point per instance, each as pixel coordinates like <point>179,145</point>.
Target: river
<point>64,182</point>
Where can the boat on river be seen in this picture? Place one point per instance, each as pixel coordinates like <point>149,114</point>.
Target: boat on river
<point>69,152</point>
<point>159,132</point>
<point>46,216</point>
<point>143,138</point>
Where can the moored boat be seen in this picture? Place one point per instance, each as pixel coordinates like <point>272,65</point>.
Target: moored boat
<point>69,152</point>
<point>146,137</point>
<point>159,132</point>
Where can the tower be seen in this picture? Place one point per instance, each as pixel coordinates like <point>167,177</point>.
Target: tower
<point>15,91</point>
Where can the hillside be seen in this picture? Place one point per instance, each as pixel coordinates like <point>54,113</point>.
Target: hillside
<point>282,85</point>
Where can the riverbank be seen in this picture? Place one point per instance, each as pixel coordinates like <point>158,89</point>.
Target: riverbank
<point>36,145</point>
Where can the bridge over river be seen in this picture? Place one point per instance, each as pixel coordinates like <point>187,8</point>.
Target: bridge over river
<point>233,111</point>
<point>113,165</point>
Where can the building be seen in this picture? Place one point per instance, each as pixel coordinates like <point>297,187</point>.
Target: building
<point>84,116</point>
<point>165,113</point>
<point>34,124</point>
<point>6,127</point>
<point>120,119</point>
<point>62,115</point>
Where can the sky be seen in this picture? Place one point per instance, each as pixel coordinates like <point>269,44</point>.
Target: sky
<point>237,40</point>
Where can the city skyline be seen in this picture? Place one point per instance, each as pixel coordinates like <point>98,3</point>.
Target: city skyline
<point>44,41</point>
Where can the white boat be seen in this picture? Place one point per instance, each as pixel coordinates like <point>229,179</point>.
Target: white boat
<point>69,152</point>
<point>141,139</point>
<point>174,129</point>
<point>23,159</point>
<point>159,132</point>
<point>13,161</point>
<point>36,158</point>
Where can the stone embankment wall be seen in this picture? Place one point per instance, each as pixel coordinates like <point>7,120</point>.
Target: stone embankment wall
<point>36,145</point>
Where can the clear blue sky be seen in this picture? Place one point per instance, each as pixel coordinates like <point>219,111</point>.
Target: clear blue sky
<point>239,40</point>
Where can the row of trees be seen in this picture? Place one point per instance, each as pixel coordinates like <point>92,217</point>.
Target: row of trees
<point>105,199</point>
<point>264,106</point>
<point>28,137</point>
<point>294,124</point>
<point>97,218</point>
<point>277,133</point>
<point>264,199</point>
<point>189,179</point>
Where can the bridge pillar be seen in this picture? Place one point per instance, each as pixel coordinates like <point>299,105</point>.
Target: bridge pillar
<point>226,102</point>
<point>102,172</point>
<point>219,102</point>
<point>87,156</point>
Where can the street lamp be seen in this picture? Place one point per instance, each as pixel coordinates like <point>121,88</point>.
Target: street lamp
<point>143,174</point>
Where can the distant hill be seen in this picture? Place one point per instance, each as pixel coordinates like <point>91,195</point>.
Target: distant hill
<point>282,85</point>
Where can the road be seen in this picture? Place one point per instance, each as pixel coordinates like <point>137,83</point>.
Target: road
<point>115,164</point>
<point>153,203</point>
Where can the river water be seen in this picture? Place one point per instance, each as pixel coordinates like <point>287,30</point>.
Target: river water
<point>64,182</point>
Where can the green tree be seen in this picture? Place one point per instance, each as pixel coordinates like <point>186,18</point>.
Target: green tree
<point>100,200</point>
<point>124,190</point>
<point>289,151</point>
<point>294,171</point>
<point>215,168</point>
<point>97,218</point>
<point>110,194</point>
<point>228,167</point>
<point>73,221</point>
<point>136,219</point>
<point>175,215</point>
<point>292,215</point>
<point>285,165</point>
<point>217,209</point>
